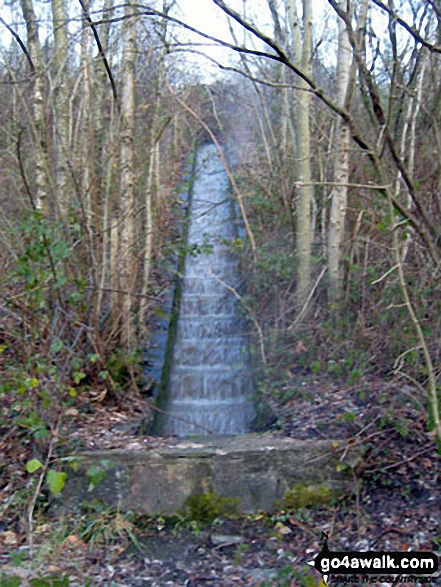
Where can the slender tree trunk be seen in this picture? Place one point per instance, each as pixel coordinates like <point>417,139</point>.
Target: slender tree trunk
<point>85,147</point>
<point>100,100</point>
<point>127,266</point>
<point>34,48</point>
<point>286,124</point>
<point>339,194</point>
<point>104,160</point>
<point>302,49</point>
<point>61,99</point>
<point>153,179</point>
<point>407,147</point>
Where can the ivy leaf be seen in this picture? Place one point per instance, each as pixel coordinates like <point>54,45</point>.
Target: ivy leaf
<point>31,383</point>
<point>95,475</point>
<point>78,376</point>
<point>56,481</point>
<point>57,345</point>
<point>33,465</point>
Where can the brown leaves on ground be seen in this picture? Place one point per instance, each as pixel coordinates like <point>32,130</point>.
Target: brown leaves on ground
<point>397,508</point>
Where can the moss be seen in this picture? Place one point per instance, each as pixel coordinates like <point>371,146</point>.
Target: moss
<point>303,496</point>
<point>206,507</point>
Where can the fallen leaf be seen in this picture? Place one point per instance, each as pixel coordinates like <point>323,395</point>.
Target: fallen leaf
<point>73,541</point>
<point>284,530</point>
<point>9,537</point>
<point>53,569</point>
<point>300,347</point>
<point>71,412</point>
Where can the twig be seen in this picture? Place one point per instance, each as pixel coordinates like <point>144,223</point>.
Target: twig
<point>388,272</point>
<point>308,299</point>
<point>398,363</point>
<point>31,507</point>
<point>250,313</point>
<point>348,444</point>
<point>371,423</point>
<point>20,42</point>
<point>122,291</point>
<point>412,380</point>
<point>102,54</point>
<point>425,450</point>
<point>432,391</point>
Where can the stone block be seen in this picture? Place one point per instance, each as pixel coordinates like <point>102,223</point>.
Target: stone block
<point>219,385</point>
<point>196,416</point>
<point>260,470</point>
<point>202,329</point>
<point>212,353</point>
<point>207,306</point>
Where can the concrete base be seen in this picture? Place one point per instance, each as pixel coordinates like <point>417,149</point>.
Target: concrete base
<point>259,469</point>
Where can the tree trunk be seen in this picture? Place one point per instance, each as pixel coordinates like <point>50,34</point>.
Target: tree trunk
<point>86,132</point>
<point>61,99</point>
<point>302,48</point>
<point>339,194</point>
<point>127,267</point>
<point>34,48</point>
<point>104,170</point>
<point>100,98</point>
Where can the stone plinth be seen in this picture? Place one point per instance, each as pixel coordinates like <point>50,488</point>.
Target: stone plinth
<point>260,470</point>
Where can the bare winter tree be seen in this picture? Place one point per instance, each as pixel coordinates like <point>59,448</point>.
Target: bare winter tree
<point>60,102</point>
<point>302,52</point>
<point>127,266</point>
<point>38,120</point>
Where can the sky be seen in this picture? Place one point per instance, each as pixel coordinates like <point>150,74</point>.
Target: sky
<point>204,15</point>
<point>209,18</point>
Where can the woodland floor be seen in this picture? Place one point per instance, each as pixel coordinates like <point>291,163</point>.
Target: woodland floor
<point>398,506</point>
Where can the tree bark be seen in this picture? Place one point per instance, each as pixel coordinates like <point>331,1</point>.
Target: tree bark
<point>127,266</point>
<point>339,194</point>
<point>61,99</point>
<point>302,49</point>
<point>34,49</point>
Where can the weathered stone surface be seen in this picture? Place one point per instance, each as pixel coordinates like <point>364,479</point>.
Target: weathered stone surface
<point>260,470</point>
<point>197,328</point>
<point>195,307</point>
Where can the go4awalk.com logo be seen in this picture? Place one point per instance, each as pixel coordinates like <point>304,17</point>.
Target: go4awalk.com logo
<point>375,567</point>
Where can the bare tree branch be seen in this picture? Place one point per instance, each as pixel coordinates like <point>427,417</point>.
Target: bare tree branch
<point>102,54</point>
<point>382,122</point>
<point>409,28</point>
<point>280,56</point>
<point>20,42</point>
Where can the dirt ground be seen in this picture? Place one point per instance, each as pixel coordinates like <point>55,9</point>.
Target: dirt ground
<point>397,507</point>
